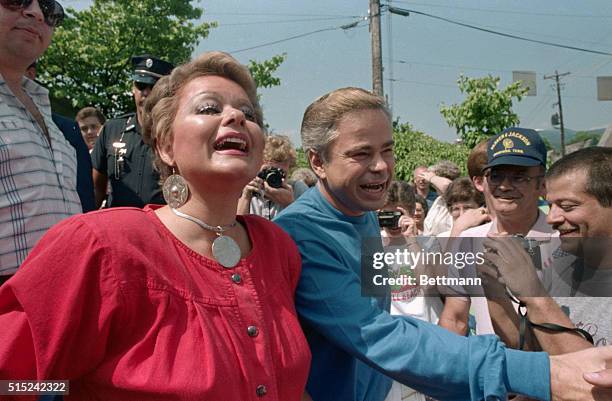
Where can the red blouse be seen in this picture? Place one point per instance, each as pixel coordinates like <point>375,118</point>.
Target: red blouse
<point>115,303</point>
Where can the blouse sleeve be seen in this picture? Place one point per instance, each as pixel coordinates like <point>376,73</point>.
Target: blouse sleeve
<point>57,311</point>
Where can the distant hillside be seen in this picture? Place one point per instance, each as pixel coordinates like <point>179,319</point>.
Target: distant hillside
<point>554,135</point>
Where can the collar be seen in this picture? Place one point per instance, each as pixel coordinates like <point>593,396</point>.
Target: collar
<point>539,229</point>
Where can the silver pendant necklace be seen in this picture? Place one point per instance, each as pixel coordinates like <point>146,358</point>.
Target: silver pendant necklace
<point>224,249</point>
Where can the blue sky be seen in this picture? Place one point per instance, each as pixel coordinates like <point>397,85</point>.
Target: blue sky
<point>423,55</point>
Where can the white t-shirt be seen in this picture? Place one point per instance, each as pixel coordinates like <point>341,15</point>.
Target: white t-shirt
<point>438,218</point>
<point>409,301</point>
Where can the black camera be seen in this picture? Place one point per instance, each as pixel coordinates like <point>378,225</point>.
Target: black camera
<point>389,219</point>
<point>273,176</point>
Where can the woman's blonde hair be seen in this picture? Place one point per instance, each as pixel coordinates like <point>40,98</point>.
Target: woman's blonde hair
<point>162,104</point>
<point>279,149</point>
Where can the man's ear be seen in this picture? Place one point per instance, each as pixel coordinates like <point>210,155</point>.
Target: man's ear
<point>478,182</point>
<point>542,188</point>
<point>316,163</point>
<point>166,151</point>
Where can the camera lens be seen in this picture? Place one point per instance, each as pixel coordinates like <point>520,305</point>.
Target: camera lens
<point>274,180</point>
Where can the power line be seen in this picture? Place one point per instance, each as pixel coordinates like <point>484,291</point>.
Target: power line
<point>284,15</point>
<point>507,35</point>
<point>281,21</point>
<point>422,83</point>
<point>343,27</point>
<point>489,10</point>
<point>465,67</point>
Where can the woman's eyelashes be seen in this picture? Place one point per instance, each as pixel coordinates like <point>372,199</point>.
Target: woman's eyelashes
<point>208,108</point>
<point>249,113</point>
<point>212,108</point>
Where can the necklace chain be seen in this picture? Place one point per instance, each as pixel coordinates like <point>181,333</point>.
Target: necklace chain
<point>217,229</point>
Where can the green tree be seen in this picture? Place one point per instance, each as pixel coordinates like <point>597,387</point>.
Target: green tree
<point>486,111</point>
<point>301,160</point>
<point>414,148</point>
<point>263,72</point>
<point>88,62</point>
<point>581,136</point>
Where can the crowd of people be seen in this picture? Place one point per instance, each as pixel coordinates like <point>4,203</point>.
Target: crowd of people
<point>216,270</point>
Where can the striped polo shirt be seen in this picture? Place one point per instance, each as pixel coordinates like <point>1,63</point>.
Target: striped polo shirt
<point>37,184</point>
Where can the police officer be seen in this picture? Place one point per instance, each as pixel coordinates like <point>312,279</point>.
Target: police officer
<point>120,153</point>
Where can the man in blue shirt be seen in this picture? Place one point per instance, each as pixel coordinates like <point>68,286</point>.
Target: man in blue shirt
<point>357,347</point>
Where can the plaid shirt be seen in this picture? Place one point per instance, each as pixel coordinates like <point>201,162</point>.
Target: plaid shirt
<point>37,185</point>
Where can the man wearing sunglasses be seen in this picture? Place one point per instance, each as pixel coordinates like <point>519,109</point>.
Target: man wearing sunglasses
<point>37,164</point>
<point>121,155</point>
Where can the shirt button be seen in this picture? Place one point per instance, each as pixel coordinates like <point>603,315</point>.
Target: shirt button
<point>261,390</point>
<point>236,278</point>
<point>253,331</point>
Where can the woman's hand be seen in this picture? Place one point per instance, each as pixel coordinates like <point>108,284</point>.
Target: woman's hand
<point>471,218</point>
<point>255,186</point>
<point>282,196</point>
<point>407,224</point>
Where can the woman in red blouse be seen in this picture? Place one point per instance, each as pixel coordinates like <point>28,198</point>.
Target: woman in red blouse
<point>181,302</point>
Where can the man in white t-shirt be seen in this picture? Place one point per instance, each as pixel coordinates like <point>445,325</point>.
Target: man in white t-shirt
<point>514,182</point>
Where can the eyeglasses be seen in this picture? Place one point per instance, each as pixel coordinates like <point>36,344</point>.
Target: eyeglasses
<point>142,86</point>
<point>51,9</point>
<point>516,180</point>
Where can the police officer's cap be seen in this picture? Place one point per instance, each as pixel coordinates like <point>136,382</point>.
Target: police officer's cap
<point>148,69</point>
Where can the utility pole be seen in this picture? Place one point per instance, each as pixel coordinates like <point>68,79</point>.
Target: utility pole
<point>377,69</point>
<point>556,76</point>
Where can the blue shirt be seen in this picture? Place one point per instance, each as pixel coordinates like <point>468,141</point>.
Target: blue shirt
<point>357,346</point>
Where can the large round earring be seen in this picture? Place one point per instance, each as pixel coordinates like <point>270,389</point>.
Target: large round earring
<point>175,190</point>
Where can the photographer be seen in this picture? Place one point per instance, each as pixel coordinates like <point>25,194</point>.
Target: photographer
<point>270,192</point>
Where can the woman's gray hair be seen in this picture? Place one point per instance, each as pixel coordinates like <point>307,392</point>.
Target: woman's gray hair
<point>446,169</point>
<point>321,118</point>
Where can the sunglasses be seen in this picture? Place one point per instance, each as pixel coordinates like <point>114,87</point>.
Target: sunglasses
<point>142,86</point>
<point>51,9</point>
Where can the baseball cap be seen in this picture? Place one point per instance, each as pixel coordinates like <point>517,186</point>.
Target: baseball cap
<point>517,147</point>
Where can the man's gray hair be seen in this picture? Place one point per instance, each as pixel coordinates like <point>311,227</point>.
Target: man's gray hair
<point>321,118</point>
<point>446,169</point>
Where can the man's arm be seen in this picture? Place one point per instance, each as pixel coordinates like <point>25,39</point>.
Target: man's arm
<point>100,181</point>
<point>545,309</point>
<point>517,272</point>
<point>439,183</point>
<point>421,355</point>
<point>455,315</point>
<point>100,166</point>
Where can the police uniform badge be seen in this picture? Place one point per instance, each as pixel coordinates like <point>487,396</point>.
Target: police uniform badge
<point>119,150</point>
